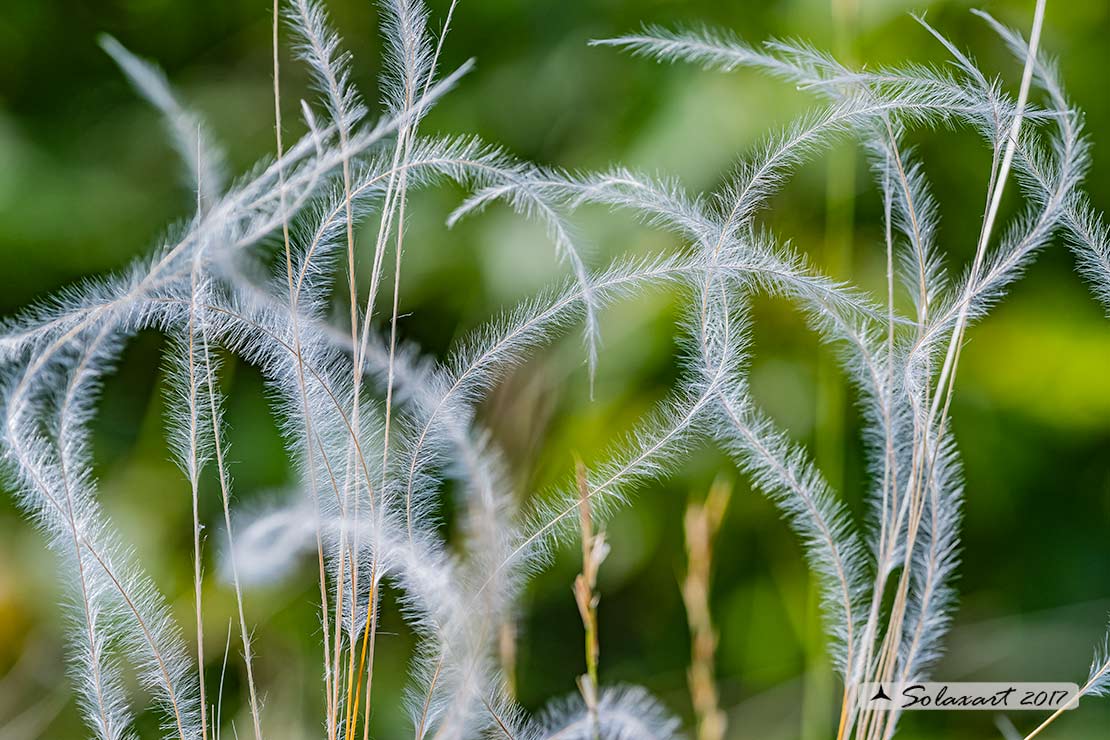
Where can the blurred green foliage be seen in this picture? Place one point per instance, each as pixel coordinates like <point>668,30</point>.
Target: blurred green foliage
<point>87,184</point>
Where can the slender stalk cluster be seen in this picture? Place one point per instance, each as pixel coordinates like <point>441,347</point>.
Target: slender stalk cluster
<point>376,430</point>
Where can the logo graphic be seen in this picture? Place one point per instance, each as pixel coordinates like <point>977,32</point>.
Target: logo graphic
<point>967,696</point>
<point>880,694</point>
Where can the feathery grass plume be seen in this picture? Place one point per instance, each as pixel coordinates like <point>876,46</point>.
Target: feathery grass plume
<point>190,440</point>
<point>204,162</point>
<point>319,48</point>
<point>96,672</point>
<point>50,465</point>
<point>1086,234</point>
<point>917,500</point>
<point>941,555</point>
<point>1098,684</point>
<point>1089,237</point>
<point>650,448</point>
<point>623,713</point>
<point>174,291</point>
<point>1085,228</point>
<point>783,472</point>
<point>522,188</point>
<point>376,430</point>
<point>1098,681</point>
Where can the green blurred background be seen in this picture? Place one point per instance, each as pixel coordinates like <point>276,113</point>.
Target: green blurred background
<point>87,182</point>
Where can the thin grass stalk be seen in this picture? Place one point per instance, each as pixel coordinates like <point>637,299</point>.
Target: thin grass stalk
<point>225,497</point>
<point>294,313</point>
<point>946,380</point>
<point>701,524</point>
<point>952,356</point>
<point>405,136</point>
<point>586,596</point>
<point>194,485</point>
